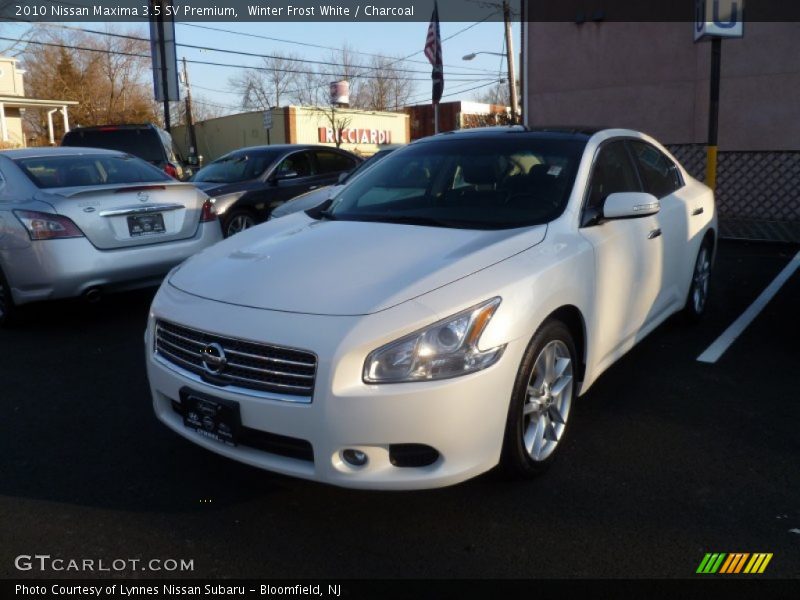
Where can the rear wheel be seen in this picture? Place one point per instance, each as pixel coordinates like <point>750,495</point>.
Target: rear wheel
<point>237,221</point>
<point>541,401</point>
<point>6,301</point>
<point>698,292</point>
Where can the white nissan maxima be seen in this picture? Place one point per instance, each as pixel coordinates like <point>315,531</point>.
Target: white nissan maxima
<point>440,315</point>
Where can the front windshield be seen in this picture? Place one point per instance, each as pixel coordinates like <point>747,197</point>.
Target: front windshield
<point>473,183</point>
<point>237,166</point>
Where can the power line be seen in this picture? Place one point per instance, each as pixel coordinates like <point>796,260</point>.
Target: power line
<point>218,64</point>
<point>320,46</point>
<point>267,56</point>
<point>455,92</point>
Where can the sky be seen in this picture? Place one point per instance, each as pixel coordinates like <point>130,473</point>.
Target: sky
<point>210,84</point>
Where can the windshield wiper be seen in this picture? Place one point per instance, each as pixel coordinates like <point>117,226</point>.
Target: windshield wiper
<point>326,214</point>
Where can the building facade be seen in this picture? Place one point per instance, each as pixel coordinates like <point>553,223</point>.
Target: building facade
<point>13,102</point>
<point>653,77</point>
<point>455,115</point>
<point>361,132</point>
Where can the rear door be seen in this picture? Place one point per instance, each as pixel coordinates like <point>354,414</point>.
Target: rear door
<point>117,201</point>
<point>331,164</point>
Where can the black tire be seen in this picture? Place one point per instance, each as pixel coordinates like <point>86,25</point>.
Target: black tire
<point>517,460</point>
<point>6,301</point>
<point>237,220</point>
<point>697,298</point>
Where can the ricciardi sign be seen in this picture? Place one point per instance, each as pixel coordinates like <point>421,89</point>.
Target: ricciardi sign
<point>355,136</point>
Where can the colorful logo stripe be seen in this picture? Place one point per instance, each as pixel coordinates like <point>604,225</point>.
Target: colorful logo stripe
<point>734,563</point>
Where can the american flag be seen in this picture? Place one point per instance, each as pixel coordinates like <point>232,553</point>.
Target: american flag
<point>433,51</point>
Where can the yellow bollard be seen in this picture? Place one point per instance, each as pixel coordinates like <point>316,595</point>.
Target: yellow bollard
<point>711,167</point>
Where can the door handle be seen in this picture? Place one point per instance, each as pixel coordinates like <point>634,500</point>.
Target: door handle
<point>697,211</point>
<point>654,234</point>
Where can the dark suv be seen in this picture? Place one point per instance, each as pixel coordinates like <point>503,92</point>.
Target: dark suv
<point>148,142</point>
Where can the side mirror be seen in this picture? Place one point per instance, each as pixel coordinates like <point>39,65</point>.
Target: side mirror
<point>285,175</point>
<point>625,205</point>
<point>342,177</point>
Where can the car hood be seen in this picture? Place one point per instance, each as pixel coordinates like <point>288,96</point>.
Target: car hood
<point>345,268</point>
<point>306,201</point>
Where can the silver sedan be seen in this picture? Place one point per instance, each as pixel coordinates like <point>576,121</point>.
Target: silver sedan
<point>82,221</point>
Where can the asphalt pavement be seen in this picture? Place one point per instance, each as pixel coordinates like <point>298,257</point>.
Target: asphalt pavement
<point>667,459</point>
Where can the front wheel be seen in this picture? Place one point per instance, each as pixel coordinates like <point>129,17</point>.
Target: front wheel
<point>237,221</point>
<point>541,402</point>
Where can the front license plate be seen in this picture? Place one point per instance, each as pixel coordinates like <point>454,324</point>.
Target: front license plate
<point>139,225</point>
<point>212,417</point>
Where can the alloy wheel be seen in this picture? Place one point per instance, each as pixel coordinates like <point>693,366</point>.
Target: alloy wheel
<point>548,400</point>
<point>239,223</point>
<point>702,272</point>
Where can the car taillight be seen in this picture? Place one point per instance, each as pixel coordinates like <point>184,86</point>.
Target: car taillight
<point>209,213</point>
<point>171,170</point>
<point>46,226</point>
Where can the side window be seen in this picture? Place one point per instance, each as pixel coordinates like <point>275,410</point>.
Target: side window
<point>613,172</point>
<point>333,162</point>
<point>659,174</point>
<point>299,163</point>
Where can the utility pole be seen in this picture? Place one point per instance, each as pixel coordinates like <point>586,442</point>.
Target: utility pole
<point>512,80</point>
<point>189,115</point>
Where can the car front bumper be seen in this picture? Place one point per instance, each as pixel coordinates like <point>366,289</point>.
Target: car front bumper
<point>52,269</point>
<point>462,418</point>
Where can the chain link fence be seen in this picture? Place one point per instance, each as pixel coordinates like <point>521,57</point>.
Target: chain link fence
<point>758,193</point>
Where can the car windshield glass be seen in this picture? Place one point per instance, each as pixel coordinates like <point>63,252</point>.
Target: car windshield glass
<point>238,166</point>
<point>143,143</point>
<point>368,163</point>
<point>475,183</point>
<point>85,170</point>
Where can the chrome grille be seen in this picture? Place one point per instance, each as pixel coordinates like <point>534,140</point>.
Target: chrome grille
<point>249,365</point>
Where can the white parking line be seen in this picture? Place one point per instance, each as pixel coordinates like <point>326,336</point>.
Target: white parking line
<point>723,342</point>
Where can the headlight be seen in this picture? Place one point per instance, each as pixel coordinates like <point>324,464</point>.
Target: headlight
<point>445,349</point>
<point>224,202</point>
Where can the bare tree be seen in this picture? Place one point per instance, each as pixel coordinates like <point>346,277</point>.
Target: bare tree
<point>110,81</point>
<point>312,89</point>
<point>499,93</point>
<point>388,87</point>
<point>267,86</point>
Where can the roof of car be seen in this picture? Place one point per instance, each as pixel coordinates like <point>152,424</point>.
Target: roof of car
<point>284,147</point>
<point>572,131</point>
<point>111,127</point>
<point>57,151</point>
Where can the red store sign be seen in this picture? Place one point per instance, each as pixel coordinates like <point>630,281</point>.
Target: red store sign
<point>355,136</point>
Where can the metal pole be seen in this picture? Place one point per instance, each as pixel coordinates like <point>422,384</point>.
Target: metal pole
<point>512,79</point>
<point>713,113</point>
<point>436,118</point>
<point>162,49</point>
<point>189,115</point>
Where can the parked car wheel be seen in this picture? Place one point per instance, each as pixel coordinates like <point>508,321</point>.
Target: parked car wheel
<point>541,402</point>
<point>237,221</point>
<point>698,292</point>
<point>6,301</point>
